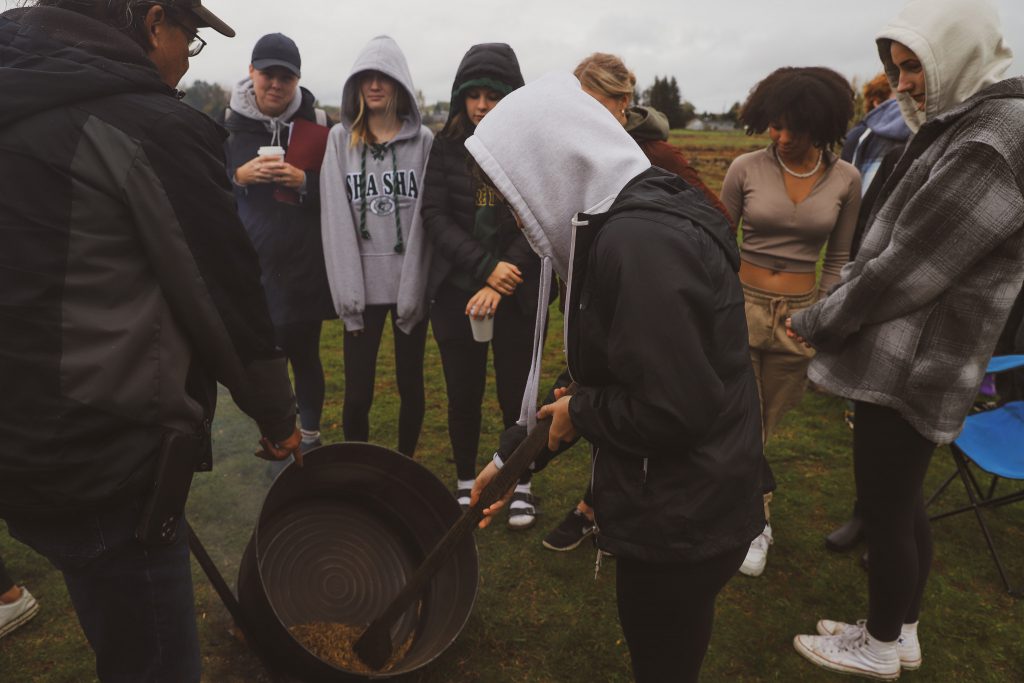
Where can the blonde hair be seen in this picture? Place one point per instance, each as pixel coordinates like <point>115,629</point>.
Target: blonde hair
<point>606,74</point>
<point>397,106</point>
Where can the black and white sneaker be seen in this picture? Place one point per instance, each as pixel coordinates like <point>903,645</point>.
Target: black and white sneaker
<point>572,531</point>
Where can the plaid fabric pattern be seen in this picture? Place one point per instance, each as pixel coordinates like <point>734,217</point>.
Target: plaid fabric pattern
<point>916,316</point>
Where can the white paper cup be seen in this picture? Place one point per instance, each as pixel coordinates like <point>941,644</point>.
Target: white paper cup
<point>483,329</point>
<point>271,152</point>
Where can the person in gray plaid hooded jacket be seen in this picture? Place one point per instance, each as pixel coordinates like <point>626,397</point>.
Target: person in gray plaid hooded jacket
<point>909,330</point>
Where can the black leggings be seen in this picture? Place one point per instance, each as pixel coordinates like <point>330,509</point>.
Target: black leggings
<point>666,612</point>
<point>301,343</point>
<point>890,460</point>
<point>6,582</point>
<point>361,371</point>
<point>465,370</point>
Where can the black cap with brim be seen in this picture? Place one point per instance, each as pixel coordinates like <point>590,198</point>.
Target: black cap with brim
<point>206,17</point>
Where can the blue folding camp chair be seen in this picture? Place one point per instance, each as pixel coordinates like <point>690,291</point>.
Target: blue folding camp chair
<point>992,440</point>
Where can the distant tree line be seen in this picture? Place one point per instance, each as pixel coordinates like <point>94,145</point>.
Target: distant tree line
<point>212,100</point>
<point>665,96</point>
<point>209,98</point>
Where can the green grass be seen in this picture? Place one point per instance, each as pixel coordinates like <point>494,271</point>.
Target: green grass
<point>541,617</point>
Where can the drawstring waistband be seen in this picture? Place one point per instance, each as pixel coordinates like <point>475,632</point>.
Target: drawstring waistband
<point>779,305</point>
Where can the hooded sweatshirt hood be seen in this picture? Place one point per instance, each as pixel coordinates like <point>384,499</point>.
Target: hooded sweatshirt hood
<point>381,54</point>
<point>646,123</point>
<point>960,46</point>
<point>81,59</point>
<point>243,101</point>
<point>487,65</point>
<point>551,168</point>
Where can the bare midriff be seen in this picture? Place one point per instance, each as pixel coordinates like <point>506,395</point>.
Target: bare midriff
<point>776,281</point>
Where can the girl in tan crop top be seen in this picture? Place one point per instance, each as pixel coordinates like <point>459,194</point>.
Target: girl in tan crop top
<point>790,200</point>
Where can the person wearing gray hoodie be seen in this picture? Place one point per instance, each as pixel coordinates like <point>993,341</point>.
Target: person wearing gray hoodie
<point>655,339</point>
<point>377,256</point>
<point>910,328</point>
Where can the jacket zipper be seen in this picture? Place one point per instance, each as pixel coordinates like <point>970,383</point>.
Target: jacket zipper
<point>643,477</point>
<point>597,528</point>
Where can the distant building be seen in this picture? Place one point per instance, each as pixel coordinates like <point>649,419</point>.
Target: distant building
<point>435,116</point>
<point>711,123</point>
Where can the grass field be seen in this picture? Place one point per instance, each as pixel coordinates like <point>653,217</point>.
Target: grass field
<point>542,617</point>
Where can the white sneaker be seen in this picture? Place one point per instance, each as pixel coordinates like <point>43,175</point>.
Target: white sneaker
<point>852,651</point>
<point>757,554</point>
<point>18,612</point>
<point>908,646</point>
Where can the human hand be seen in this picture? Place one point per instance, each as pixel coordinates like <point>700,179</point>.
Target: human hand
<point>562,429</point>
<point>485,477</point>
<point>791,333</point>
<point>505,278</point>
<point>483,304</point>
<point>282,449</point>
<point>285,174</point>
<point>256,171</point>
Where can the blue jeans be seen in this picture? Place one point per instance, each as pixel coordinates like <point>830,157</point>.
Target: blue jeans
<point>134,602</point>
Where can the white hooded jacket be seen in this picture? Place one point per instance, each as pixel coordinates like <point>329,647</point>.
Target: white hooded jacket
<point>548,176</point>
<point>960,46</point>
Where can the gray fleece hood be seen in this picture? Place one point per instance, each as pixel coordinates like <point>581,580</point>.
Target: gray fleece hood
<point>381,54</point>
<point>549,168</point>
<point>960,45</point>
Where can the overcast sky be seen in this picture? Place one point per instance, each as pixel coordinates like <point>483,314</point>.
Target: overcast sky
<point>717,49</point>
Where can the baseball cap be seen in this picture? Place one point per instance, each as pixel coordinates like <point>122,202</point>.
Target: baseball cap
<point>205,17</point>
<point>277,49</point>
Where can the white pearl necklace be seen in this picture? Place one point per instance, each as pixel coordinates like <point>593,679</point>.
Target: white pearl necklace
<point>794,173</point>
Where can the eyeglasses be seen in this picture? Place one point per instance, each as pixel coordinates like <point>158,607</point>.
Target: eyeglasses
<point>195,42</point>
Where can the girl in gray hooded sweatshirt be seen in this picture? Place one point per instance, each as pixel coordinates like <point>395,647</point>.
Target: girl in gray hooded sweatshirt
<point>374,247</point>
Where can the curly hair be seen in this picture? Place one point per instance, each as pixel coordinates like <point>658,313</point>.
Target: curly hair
<point>813,100</point>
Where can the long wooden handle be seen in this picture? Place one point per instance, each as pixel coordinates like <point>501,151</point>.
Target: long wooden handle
<point>514,467</point>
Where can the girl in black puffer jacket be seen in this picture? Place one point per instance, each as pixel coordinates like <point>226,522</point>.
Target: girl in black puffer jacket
<point>485,268</point>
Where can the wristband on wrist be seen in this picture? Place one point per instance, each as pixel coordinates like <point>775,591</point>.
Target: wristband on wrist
<point>498,461</point>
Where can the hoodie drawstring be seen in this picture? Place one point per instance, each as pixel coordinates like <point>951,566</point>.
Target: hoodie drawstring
<point>528,412</point>
<point>378,150</point>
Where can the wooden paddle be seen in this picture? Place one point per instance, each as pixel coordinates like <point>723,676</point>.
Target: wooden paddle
<point>374,647</point>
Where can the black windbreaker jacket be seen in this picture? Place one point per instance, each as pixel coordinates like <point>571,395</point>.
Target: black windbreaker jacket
<point>657,341</point>
<point>449,197</point>
<point>128,285</point>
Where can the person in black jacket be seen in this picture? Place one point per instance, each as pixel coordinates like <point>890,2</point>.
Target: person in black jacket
<point>486,270</point>
<point>656,342</point>
<point>285,231</point>
<point>128,289</point>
